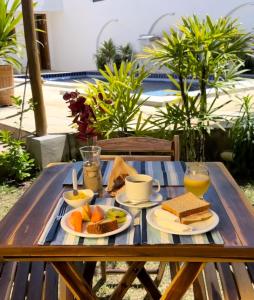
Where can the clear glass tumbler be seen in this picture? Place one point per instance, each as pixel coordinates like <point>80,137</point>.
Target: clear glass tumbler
<point>91,167</point>
<point>196,179</point>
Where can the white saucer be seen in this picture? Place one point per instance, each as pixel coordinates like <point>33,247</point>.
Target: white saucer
<point>155,199</point>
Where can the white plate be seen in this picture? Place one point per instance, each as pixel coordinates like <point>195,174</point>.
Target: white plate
<point>123,226</point>
<point>155,199</point>
<point>197,227</point>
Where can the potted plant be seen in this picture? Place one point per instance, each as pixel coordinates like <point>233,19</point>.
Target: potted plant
<point>9,18</point>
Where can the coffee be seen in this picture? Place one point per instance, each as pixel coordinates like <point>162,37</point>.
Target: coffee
<point>137,181</point>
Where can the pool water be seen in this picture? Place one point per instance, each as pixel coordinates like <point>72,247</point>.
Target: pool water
<point>156,85</point>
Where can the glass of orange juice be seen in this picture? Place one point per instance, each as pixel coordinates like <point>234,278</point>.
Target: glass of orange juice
<point>196,179</point>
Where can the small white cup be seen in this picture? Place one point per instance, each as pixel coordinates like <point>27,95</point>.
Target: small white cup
<point>138,188</point>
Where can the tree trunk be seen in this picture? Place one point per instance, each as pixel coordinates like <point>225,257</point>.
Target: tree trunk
<point>34,68</point>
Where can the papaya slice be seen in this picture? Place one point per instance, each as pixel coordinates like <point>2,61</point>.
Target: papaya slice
<point>75,221</point>
<point>97,214</point>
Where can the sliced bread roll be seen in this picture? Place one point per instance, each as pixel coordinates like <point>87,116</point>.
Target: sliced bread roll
<point>101,227</point>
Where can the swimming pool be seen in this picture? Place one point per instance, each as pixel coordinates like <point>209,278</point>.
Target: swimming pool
<point>154,85</point>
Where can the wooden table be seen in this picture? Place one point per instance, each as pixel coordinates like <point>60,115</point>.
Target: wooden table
<point>21,228</point>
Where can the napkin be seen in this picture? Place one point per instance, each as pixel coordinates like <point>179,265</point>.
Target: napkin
<point>117,176</point>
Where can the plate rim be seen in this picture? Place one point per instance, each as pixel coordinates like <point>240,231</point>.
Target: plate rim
<point>93,235</point>
<point>139,205</point>
<point>148,219</point>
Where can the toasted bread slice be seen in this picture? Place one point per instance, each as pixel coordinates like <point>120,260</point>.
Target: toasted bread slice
<point>101,227</point>
<point>185,205</point>
<point>201,216</point>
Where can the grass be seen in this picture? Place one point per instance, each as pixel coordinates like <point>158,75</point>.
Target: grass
<point>10,194</point>
<point>248,188</point>
<point>136,292</point>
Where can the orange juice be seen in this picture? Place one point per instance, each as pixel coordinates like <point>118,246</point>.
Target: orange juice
<point>196,183</point>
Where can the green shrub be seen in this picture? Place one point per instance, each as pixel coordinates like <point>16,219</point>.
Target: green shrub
<point>242,135</point>
<point>15,162</point>
<point>109,54</point>
<point>117,99</point>
<point>208,51</point>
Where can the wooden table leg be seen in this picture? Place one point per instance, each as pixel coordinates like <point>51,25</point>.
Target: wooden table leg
<point>127,280</point>
<point>89,272</point>
<point>174,268</point>
<point>182,281</point>
<point>136,269</point>
<point>64,292</point>
<point>74,281</point>
<point>148,284</point>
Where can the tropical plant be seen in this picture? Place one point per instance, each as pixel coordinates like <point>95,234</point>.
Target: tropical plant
<point>109,53</point>
<point>105,54</point>
<point>242,136</point>
<point>205,51</point>
<point>117,99</point>
<point>9,19</point>
<point>124,53</point>
<point>15,161</point>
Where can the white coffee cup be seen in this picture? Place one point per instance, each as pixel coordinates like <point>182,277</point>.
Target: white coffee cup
<point>138,188</point>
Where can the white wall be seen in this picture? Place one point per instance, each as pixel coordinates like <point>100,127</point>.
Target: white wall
<point>49,5</point>
<point>73,31</point>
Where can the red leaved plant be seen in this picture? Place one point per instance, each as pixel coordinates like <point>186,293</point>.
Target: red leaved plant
<point>83,115</point>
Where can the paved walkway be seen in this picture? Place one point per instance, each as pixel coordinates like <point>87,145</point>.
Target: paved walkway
<point>58,112</point>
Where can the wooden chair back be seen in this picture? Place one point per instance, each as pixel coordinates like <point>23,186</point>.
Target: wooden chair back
<point>140,148</point>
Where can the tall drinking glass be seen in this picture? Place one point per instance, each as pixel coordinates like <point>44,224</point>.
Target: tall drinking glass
<point>91,167</point>
<point>196,179</point>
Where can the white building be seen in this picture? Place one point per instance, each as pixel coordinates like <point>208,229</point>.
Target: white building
<point>75,28</point>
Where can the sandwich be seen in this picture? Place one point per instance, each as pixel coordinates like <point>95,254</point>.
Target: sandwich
<point>189,208</point>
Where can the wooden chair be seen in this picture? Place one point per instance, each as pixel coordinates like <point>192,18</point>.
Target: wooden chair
<point>25,280</point>
<point>140,148</point>
<point>229,281</point>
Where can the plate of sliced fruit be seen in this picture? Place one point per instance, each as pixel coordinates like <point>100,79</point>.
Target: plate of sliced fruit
<point>95,221</point>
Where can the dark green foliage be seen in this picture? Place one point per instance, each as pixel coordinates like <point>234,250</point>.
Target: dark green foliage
<point>124,53</point>
<point>109,53</point>
<point>15,162</point>
<point>242,135</point>
<point>105,54</point>
<point>249,63</point>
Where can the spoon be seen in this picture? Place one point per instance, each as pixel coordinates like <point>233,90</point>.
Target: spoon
<point>140,202</point>
<point>74,182</point>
